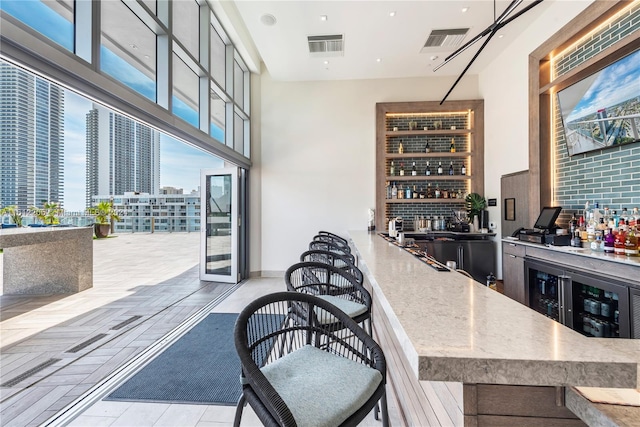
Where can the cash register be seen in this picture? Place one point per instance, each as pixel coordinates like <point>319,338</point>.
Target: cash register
<point>543,230</point>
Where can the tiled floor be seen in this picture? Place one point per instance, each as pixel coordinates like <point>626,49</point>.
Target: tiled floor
<point>154,276</point>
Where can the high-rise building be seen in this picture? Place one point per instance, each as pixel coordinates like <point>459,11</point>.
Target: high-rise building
<point>122,155</point>
<point>31,139</point>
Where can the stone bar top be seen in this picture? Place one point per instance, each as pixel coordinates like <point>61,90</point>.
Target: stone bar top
<point>46,260</point>
<point>453,328</point>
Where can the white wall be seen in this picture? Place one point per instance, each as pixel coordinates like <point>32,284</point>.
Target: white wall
<point>507,117</point>
<point>316,142</point>
<point>317,165</point>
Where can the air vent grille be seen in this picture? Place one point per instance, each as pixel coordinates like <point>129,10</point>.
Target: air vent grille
<point>331,45</point>
<point>449,38</point>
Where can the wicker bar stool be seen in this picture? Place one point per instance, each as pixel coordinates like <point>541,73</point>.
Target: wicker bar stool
<point>305,383</point>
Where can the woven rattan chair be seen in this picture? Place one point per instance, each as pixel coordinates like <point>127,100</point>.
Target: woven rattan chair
<point>333,236</point>
<point>334,285</point>
<point>343,262</point>
<point>332,247</point>
<point>337,241</point>
<point>290,379</point>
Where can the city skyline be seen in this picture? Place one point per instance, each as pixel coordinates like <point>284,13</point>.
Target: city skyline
<point>174,157</point>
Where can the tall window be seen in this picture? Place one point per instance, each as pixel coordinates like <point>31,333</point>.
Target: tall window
<point>128,49</point>
<point>185,92</point>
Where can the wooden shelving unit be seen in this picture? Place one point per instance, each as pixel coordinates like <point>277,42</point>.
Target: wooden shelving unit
<point>400,114</point>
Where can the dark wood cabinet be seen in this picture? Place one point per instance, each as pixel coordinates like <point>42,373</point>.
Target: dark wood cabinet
<point>513,271</point>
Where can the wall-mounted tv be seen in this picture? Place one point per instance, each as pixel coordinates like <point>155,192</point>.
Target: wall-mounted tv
<point>603,109</point>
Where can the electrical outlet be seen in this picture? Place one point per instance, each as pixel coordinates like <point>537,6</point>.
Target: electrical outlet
<point>492,225</point>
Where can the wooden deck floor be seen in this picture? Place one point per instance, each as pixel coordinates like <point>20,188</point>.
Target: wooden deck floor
<point>59,355</point>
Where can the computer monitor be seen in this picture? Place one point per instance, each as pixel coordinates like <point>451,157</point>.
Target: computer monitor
<point>547,218</point>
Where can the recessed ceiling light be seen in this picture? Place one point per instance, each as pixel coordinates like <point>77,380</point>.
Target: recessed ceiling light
<point>147,57</point>
<point>378,59</point>
<point>268,19</point>
<point>465,9</point>
<point>323,17</point>
<point>133,46</point>
<point>326,62</point>
<point>500,36</point>
<point>392,13</point>
<point>434,57</point>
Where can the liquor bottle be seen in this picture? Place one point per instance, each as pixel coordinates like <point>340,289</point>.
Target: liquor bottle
<point>407,193</point>
<point>427,149</point>
<point>607,216</point>
<point>392,169</point>
<point>439,168</point>
<point>427,171</point>
<point>576,242</point>
<point>437,195</point>
<point>394,191</point>
<point>634,218</point>
<point>618,245</point>
<point>615,218</point>
<point>400,192</point>
<point>463,169</point>
<point>452,148</point>
<point>631,243</point>
<point>429,191</point>
<point>609,242</point>
<point>451,167</point>
<point>388,190</point>
<point>591,229</point>
<point>624,215</point>
<point>400,148</point>
<point>401,169</point>
<point>415,193</point>
<point>414,171</point>
<point>573,224</point>
<point>596,212</point>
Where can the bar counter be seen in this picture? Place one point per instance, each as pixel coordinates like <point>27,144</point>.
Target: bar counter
<point>453,329</point>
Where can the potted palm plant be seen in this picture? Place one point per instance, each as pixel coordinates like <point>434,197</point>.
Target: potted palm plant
<point>14,214</point>
<point>104,214</point>
<point>49,213</point>
<point>475,204</point>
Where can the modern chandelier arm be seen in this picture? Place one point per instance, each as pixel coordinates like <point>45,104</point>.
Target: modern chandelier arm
<point>469,64</point>
<point>462,49</point>
<point>520,13</point>
<point>514,4</point>
<point>498,23</point>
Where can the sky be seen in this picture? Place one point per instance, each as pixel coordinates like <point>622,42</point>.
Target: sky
<point>614,84</point>
<point>180,163</point>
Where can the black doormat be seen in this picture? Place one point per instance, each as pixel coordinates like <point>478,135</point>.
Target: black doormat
<point>202,367</point>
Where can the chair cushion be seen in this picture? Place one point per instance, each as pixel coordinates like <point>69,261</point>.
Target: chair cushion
<point>321,389</point>
<point>351,308</point>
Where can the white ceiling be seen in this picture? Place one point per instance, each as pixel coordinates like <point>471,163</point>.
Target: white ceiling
<point>371,33</point>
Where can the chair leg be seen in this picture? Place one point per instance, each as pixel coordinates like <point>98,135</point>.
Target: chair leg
<point>383,410</point>
<point>239,409</point>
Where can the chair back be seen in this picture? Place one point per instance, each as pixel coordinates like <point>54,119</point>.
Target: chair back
<point>317,278</point>
<point>341,243</point>
<point>331,247</point>
<point>333,236</point>
<point>343,262</point>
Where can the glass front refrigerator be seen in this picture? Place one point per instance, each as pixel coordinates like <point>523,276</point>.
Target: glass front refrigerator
<point>593,305</point>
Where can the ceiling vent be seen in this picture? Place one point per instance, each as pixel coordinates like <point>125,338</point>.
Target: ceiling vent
<point>332,45</point>
<point>444,39</point>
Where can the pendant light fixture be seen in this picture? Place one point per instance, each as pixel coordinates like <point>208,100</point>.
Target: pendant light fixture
<point>489,32</point>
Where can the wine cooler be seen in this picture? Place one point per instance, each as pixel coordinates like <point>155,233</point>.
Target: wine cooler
<point>592,305</point>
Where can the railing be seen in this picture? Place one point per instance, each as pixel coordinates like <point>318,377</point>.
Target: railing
<point>128,224</point>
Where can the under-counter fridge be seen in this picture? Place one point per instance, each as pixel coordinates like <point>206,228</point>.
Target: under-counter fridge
<point>593,305</point>
<point>476,257</point>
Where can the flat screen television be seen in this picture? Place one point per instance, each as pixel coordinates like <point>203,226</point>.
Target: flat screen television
<point>603,109</point>
<point>547,218</point>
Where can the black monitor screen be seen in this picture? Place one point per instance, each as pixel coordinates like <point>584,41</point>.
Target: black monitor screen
<point>547,218</point>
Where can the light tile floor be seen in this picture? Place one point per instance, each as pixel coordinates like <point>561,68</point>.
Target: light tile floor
<point>154,276</point>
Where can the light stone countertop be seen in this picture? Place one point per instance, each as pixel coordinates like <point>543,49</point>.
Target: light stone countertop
<point>453,328</point>
<point>584,252</point>
<point>10,237</point>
